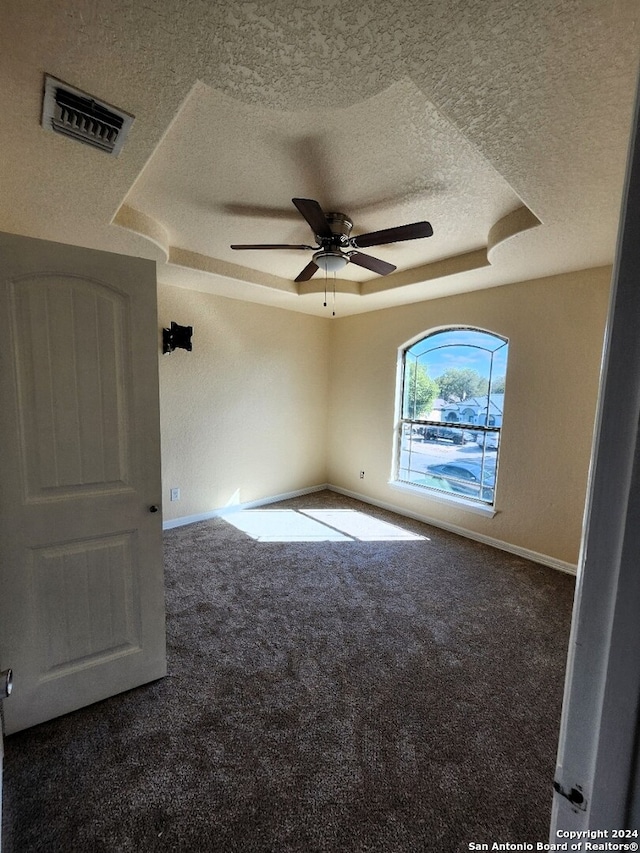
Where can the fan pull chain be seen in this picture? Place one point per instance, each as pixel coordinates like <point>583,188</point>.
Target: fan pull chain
<point>333,313</point>
<point>325,288</point>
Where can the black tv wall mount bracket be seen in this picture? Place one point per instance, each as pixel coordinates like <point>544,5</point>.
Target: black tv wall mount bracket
<point>177,337</point>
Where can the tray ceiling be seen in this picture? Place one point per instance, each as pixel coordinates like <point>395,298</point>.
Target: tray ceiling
<point>505,126</point>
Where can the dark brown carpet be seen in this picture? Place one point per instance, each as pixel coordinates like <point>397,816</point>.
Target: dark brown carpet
<point>322,697</point>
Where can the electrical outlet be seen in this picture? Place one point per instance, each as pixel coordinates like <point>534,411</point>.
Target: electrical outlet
<point>175,494</point>
<point>362,475</point>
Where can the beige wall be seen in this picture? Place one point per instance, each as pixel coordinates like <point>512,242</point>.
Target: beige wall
<point>555,328</point>
<point>244,415</point>
<point>272,401</point>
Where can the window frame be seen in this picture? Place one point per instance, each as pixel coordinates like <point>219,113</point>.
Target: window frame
<point>406,425</point>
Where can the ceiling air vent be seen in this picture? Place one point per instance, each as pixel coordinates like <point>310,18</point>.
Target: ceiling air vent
<point>74,113</point>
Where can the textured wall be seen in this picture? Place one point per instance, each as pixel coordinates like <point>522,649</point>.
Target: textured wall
<point>555,328</point>
<point>243,416</point>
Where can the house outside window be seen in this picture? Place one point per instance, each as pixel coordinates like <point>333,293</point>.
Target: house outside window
<point>450,421</point>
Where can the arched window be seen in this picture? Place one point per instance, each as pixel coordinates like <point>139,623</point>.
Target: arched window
<point>451,405</point>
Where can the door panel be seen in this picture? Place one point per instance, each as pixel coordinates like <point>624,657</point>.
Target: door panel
<point>97,618</point>
<point>73,392</point>
<point>83,603</point>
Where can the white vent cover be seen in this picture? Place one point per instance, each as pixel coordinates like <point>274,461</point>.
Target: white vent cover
<point>74,113</point>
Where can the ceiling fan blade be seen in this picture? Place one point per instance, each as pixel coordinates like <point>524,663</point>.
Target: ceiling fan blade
<point>269,246</point>
<point>392,235</point>
<point>373,264</point>
<point>314,215</point>
<point>307,272</point>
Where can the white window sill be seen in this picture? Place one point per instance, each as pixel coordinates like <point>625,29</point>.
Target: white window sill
<point>445,498</point>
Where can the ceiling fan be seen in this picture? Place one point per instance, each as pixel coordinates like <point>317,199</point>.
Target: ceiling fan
<point>336,247</point>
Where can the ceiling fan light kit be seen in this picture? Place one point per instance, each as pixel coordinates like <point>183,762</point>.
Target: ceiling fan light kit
<point>330,262</point>
<point>336,248</point>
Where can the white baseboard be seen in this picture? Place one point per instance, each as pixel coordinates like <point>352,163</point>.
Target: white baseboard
<point>534,556</point>
<point>226,510</point>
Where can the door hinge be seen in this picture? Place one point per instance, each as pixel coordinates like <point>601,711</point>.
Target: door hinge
<point>6,683</point>
<point>575,795</point>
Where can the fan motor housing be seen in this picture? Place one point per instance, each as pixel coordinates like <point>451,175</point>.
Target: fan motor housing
<point>340,226</point>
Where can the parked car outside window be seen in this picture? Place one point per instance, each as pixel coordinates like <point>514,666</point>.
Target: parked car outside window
<point>466,478</point>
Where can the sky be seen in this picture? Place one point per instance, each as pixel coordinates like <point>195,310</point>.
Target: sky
<point>459,349</point>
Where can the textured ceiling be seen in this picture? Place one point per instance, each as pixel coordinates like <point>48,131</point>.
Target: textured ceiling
<point>505,124</point>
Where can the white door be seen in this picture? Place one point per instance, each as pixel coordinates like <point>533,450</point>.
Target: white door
<point>5,690</point>
<point>1,771</point>
<point>598,769</point>
<point>82,594</point>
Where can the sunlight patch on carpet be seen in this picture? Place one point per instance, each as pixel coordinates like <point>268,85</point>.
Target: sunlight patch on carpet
<point>317,525</point>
